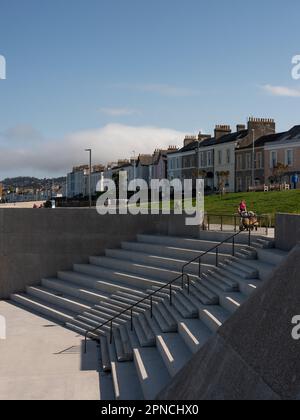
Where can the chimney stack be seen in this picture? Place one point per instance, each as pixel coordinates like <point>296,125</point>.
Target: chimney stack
<point>189,139</point>
<point>240,127</point>
<point>222,130</point>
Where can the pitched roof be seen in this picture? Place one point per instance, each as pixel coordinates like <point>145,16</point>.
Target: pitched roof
<point>145,160</point>
<point>227,138</point>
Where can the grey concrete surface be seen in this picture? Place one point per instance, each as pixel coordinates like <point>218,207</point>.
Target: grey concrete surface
<point>287,231</point>
<point>253,355</point>
<point>40,360</point>
<point>36,243</point>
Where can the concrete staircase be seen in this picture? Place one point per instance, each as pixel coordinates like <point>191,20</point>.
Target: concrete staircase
<point>144,355</point>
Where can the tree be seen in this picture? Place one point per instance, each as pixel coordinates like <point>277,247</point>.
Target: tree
<point>222,181</point>
<point>279,171</point>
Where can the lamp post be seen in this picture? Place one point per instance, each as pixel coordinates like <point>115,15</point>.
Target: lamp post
<point>253,158</point>
<point>90,176</point>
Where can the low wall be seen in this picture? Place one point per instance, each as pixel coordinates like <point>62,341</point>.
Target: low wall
<point>287,231</point>
<point>36,243</point>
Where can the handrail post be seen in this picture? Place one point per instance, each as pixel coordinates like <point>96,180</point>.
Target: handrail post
<point>199,267</point>
<point>188,279</point>
<point>249,239</point>
<point>221,223</point>
<point>208,222</point>
<point>111,332</point>
<point>85,343</point>
<point>235,224</point>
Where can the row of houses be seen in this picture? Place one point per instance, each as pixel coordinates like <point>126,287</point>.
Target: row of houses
<point>251,156</point>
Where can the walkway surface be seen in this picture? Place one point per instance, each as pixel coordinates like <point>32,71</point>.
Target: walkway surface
<point>40,360</point>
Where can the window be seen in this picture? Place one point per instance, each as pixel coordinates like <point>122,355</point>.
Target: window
<point>289,158</point>
<point>239,162</point>
<point>273,160</point>
<point>248,161</point>
<point>209,158</point>
<point>202,163</point>
<point>239,184</point>
<point>259,161</point>
<point>220,157</point>
<point>228,156</point>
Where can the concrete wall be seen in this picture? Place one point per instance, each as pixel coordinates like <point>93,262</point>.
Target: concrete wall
<point>287,231</point>
<point>37,243</point>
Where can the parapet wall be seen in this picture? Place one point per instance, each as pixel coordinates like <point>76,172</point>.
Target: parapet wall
<point>287,231</point>
<point>37,243</point>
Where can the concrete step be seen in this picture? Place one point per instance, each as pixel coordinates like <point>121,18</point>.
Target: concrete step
<point>90,325</point>
<point>152,260</point>
<point>159,273</point>
<point>98,278</point>
<point>272,256</point>
<point>81,329</point>
<point>242,266</point>
<point>93,296</point>
<point>145,338</point>
<point>265,269</point>
<point>237,271</point>
<point>207,241</point>
<point>217,284</point>
<point>122,278</point>
<point>39,306</point>
<point>212,297</point>
<point>240,240</point>
<point>152,373</point>
<point>214,317</point>
<point>264,243</point>
<point>194,333</point>
<point>125,379</point>
<point>147,329</point>
<point>61,301</point>
<point>116,307</point>
<point>162,323</point>
<point>181,304</point>
<point>233,301</point>
<point>174,252</point>
<point>173,351</point>
<point>105,359</point>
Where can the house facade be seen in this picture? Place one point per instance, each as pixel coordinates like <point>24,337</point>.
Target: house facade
<point>286,152</point>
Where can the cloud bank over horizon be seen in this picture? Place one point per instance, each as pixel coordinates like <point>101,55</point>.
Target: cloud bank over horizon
<point>24,151</point>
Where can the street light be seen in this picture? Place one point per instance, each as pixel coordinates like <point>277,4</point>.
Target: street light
<point>253,158</point>
<point>90,176</point>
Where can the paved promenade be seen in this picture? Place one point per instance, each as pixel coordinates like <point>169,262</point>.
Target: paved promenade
<point>40,360</point>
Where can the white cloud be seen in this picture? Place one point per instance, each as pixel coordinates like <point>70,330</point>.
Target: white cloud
<point>282,91</point>
<point>118,112</point>
<point>57,156</point>
<point>161,89</point>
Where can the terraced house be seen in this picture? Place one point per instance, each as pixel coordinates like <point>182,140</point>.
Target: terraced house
<point>284,150</point>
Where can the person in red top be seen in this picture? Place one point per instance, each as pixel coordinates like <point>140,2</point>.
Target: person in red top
<point>242,207</point>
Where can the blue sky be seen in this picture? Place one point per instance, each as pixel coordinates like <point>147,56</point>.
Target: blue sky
<point>124,74</point>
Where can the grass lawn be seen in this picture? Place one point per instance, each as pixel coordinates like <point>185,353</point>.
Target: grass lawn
<point>260,202</point>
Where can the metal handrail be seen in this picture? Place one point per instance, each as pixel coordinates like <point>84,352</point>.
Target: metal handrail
<point>263,218</point>
<point>132,307</point>
<point>182,276</point>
